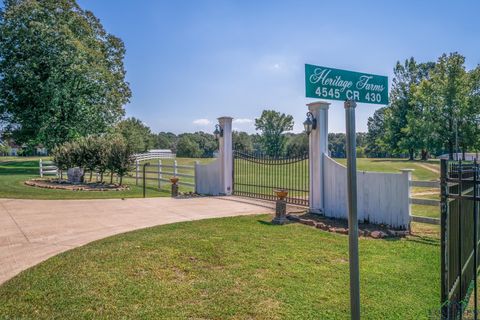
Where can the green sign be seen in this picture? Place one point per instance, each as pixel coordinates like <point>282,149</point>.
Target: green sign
<point>335,84</point>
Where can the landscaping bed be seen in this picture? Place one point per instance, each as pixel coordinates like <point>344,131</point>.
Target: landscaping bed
<point>59,184</point>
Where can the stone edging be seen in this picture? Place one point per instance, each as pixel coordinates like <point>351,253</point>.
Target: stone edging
<point>48,184</point>
<point>375,234</point>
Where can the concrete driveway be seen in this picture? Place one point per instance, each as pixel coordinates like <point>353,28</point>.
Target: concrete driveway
<point>31,231</point>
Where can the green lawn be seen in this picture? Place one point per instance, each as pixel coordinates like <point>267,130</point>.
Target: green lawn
<point>230,268</point>
<point>14,171</point>
<point>394,165</point>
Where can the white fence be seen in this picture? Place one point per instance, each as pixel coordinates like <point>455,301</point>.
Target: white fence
<point>382,198</point>
<point>47,168</point>
<point>208,178</point>
<point>155,154</point>
<point>162,173</point>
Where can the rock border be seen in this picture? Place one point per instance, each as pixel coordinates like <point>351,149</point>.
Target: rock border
<point>376,233</point>
<point>56,184</point>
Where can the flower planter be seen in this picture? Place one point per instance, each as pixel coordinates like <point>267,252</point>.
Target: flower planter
<point>281,193</point>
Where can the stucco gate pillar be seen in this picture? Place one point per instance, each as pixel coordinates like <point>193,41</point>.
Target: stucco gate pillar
<point>318,144</point>
<point>225,155</point>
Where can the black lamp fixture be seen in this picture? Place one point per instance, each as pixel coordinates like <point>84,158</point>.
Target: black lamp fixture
<point>310,124</point>
<point>218,132</point>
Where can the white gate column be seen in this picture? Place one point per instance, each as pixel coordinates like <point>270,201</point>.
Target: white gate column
<point>225,155</point>
<point>318,145</point>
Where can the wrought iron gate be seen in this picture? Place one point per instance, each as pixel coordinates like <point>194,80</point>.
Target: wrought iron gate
<point>257,176</point>
<point>459,238</point>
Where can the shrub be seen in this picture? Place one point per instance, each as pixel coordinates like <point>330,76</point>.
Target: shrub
<point>120,158</point>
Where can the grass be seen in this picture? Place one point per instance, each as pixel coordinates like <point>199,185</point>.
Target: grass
<point>394,165</point>
<point>14,171</point>
<point>229,268</point>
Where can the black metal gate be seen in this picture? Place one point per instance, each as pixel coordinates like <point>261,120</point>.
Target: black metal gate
<point>257,176</point>
<point>459,234</point>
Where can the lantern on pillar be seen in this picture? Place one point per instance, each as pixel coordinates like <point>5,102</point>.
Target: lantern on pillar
<point>218,133</point>
<point>310,123</point>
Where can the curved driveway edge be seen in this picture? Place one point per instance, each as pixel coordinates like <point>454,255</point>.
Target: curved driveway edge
<point>32,231</point>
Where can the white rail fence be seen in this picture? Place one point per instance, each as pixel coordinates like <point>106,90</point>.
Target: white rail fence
<point>163,172</point>
<point>47,168</point>
<point>425,202</point>
<point>152,155</point>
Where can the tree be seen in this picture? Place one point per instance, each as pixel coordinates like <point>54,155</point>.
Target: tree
<point>61,74</point>
<point>336,145</point>
<point>273,125</point>
<point>136,134</point>
<point>242,141</point>
<point>448,102</point>
<point>95,153</point>
<point>206,142</point>
<point>165,140</point>
<point>187,147</point>
<point>375,146</point>
<point>399,134</point>
<point>297,144</point>
<point>120,158</point>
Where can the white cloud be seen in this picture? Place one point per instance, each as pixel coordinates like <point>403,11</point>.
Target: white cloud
<point>242,121</point>
<point>202,122</point>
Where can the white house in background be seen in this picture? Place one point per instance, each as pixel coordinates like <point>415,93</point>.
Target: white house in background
<point>470,156</point>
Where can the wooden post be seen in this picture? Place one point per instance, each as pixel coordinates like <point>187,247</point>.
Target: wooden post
<point>175,169</point>
<point>159,174</point>
<point>137,168</point>
<point>197,163</point>
<point>41,169</point>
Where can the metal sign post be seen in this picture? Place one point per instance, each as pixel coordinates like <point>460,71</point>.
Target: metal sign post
<point>352,209</point>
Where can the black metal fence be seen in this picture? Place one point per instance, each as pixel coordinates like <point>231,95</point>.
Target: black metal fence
<point>257,176</point>
<point>459,234</point>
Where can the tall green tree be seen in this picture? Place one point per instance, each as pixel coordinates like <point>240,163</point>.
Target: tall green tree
<point>61,74</point>
<point>137,135</point>
<point>448,100</point>
<point>273,126</point>
<point>375,146</point>
<point>165,140</point>
<point>297,144</point>
<point>401,136</point>
<point>242,141</point>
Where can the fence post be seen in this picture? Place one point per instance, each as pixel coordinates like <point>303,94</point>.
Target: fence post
<point>137,168</point>
<point>318,146</point>
<point>41,169</point>
<point>159,174</point>
<point>443,228</point>
<point>197,163</point>
<point>175,169</point>
<point>407,173</point>
<point>225,155</point>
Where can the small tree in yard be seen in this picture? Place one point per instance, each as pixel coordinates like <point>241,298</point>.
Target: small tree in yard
<point>94,151</point>
<point>62,158</point>
<point>120,158</point>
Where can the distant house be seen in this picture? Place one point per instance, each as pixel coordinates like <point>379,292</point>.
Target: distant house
<point>469,156</point>
<point>14,149</point>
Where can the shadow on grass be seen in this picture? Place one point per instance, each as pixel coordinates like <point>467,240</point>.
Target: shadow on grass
<point>424,240</point>
<point>269,223</point>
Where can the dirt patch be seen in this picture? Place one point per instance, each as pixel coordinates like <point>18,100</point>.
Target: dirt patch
<point>65,185</point>
<point>432,169</point>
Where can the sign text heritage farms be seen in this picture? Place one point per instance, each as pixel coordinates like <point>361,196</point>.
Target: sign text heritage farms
<point>335,84</point>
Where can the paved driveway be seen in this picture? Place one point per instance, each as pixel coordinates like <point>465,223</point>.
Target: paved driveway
<point>33,230</point>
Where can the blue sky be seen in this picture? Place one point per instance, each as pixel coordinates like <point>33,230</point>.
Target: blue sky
<point>189,62</point>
